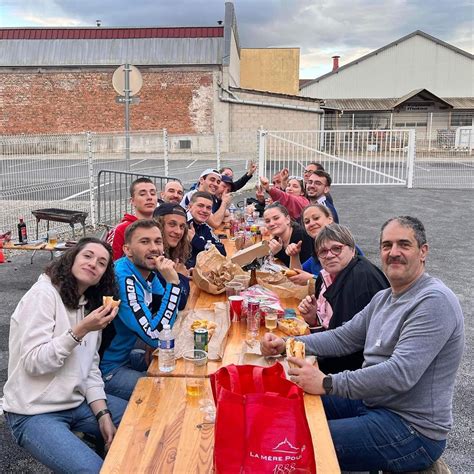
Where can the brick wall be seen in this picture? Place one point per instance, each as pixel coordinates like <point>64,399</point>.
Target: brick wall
<point>76,101</point>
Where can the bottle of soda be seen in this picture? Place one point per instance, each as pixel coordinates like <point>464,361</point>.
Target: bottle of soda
<point>166,358</point>
<point>22,233</point>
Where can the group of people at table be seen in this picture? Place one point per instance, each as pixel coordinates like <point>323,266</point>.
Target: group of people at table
<point>387,357</point>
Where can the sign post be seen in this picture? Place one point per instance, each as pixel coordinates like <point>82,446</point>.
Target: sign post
<point>127,82</point>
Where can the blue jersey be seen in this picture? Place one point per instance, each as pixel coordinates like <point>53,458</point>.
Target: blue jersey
<point>146,305</point>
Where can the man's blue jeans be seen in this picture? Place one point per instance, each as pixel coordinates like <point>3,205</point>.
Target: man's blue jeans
<point>376,439</point>
<point>50,439</point>
<point>121,381</point>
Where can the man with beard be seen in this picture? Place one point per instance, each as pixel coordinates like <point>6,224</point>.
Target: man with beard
<point>318,186</point>
<point>146,306</point>
<point>394,414</point>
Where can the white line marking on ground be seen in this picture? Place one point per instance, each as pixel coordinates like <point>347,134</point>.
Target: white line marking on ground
<point>421,168</point>
<point>191,164</point>
<point>137,163</point>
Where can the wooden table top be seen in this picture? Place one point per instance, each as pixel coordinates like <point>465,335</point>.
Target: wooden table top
<point>159,433</point>
<point>36,246</point>
<point>165,431</point>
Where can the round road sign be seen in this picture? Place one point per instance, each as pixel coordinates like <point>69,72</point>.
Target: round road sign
<point>118,80</point>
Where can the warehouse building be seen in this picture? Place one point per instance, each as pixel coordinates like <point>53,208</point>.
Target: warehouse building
<point>417,81</point>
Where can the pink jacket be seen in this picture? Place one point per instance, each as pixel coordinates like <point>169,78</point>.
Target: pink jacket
<point>294,204</point>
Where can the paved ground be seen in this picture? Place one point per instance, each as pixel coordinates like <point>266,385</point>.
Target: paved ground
<point>447,216</point>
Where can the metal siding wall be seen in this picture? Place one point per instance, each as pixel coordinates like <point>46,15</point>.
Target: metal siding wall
<point>112,52</point>
<point>415,63</point>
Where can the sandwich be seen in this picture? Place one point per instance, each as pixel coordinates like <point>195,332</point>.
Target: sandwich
<point>289,273</point>
<point>294,348</point>
<point>109,300</point>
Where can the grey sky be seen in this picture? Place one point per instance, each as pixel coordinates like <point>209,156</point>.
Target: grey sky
<point>321,28</point>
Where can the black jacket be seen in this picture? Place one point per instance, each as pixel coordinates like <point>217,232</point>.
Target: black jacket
<point>306,247</point>
<point>203,233</point>
<point>351,292</point>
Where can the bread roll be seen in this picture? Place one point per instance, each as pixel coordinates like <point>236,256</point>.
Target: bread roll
<point>296,349</point>
<point>109,300</point>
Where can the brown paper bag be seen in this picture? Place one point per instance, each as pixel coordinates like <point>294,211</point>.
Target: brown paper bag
<point>279,284</point>
<point>212,268</point>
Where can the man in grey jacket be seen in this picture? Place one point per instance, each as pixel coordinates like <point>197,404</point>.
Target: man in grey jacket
<point>395,412</point>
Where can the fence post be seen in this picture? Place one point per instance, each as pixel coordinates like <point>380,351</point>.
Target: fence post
<point>165,151</point>
<point>411,157</point>
<point>90,164</point>
<point>430,129</point>
<point>218,150</point>
<point>261,152</point>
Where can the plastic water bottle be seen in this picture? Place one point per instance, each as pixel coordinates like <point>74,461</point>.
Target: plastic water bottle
<point>166,358</point>
<point>208,245</point>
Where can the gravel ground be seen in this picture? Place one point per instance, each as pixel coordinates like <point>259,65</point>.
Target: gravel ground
<point>447,216</point>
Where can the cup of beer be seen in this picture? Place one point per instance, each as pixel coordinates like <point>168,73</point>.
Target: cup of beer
<point>52,238</point>
<point>195,370</point>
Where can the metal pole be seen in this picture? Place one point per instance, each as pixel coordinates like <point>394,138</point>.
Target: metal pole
<point>218,150</point>
<point>127,115</point>
<point>411,157</point>
<point>261,152</point>
<point>430,129</point>
<point>90,163</point>
<point>165,151</point>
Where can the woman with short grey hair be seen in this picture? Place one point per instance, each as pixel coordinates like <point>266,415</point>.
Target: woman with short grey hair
<point>345,285</point>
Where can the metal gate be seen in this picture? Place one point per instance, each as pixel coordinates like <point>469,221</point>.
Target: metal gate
<point>355,157</point>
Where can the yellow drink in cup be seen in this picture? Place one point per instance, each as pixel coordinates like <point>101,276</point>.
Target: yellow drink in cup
<point>195,369</point>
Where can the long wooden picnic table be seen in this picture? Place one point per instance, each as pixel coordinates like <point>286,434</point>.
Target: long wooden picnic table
<point>165,431</point>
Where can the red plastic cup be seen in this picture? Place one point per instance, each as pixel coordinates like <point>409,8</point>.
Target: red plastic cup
<point>235,304</point>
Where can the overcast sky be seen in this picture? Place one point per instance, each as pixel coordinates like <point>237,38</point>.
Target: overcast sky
<point>321,28</point>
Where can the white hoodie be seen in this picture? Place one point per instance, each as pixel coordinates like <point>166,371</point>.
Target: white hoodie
<point>48,370</point>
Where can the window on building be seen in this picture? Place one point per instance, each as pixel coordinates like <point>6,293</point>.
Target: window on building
<point>461,119</point>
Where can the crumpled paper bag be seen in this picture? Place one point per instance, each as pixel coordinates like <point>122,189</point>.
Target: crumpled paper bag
<point>210,264</point>
<point>281,285</point>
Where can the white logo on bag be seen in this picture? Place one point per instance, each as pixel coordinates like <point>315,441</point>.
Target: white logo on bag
<point>292,453</point>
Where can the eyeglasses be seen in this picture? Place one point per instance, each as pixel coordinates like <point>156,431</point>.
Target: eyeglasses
<point>309,171</point>
<point>335,250</point>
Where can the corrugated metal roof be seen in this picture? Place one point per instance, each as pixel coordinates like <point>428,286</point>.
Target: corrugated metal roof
<point>389,104</point>
<point>111,52</point>
<point>109,33</point>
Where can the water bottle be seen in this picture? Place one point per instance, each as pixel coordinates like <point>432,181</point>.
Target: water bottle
<point>166,358</point>
<point>233,220</point>
<point>208,245</point>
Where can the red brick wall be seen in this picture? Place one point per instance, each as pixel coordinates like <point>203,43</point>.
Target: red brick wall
<point>76,101</point>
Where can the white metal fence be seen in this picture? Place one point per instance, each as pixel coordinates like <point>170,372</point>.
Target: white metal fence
<point>359,157</point>
<point>60,171</point>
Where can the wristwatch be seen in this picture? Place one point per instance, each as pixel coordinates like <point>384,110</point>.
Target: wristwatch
<point>327,384</point>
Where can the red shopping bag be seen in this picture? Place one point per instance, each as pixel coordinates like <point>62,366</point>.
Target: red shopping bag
<point>261,424</point>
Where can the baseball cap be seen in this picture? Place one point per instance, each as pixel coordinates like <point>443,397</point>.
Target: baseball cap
<point>227,179</point>
<point>169,208</point>
<point>210,171</point>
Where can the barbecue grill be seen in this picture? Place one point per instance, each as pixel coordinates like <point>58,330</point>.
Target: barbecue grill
<point>61,215</point>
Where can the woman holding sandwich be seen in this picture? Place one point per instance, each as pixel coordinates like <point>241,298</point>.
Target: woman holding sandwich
<point>54,385</point>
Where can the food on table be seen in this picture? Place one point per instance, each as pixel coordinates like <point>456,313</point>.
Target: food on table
<point>292,327</point>
<point>220,276</point>
<point>288,272</point>
<point>204,324</point>
<point>106,300</point>
<point>296,349</point>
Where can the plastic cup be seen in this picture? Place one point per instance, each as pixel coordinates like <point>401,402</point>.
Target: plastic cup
<point>244,280</point>
<point>235,305</point>
<point>195,370</point>
<point>52,238</point>
<point>233,288</point>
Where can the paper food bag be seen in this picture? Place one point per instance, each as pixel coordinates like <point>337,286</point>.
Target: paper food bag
<point>213,271</point>
<point>279,284</point>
